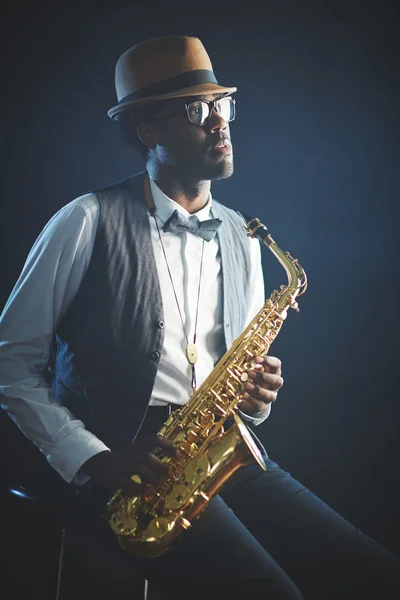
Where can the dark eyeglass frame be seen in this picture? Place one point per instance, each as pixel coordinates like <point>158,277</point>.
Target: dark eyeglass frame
<point>211,104</point>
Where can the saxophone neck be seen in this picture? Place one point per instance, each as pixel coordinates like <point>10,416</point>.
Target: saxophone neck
<point>297,278</point>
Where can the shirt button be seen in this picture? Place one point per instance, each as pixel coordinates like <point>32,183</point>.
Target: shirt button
<point>160,324</point>
<point>155,355</point>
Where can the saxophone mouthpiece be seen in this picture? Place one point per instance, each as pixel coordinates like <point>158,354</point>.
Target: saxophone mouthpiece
<point>255,228</point>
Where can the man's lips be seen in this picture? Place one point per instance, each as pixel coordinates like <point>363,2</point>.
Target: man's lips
<point>222,146</point>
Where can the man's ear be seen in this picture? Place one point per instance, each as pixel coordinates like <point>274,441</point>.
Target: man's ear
<point>148,134</point>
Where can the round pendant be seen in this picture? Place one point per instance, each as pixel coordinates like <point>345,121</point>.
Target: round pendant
<point>191,353</point>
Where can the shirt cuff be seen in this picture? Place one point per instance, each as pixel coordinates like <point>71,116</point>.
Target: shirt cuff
<point>72,451</point>
<point>256,418</point>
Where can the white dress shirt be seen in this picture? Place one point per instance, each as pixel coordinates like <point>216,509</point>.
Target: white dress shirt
<point>45,289</point>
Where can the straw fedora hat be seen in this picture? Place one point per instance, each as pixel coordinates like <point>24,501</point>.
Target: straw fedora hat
<point>162,68</point>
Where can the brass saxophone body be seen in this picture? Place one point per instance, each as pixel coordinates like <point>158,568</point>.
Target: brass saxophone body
<point>212,439</point>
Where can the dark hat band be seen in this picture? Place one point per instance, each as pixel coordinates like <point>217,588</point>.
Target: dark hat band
<point>171,84</point>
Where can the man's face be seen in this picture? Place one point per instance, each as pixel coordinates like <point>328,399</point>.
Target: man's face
<point>201,152</point>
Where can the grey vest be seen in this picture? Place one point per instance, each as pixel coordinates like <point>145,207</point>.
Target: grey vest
<point>110,341</point>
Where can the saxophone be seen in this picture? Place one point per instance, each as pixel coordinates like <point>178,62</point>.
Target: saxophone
<point>212,439</point>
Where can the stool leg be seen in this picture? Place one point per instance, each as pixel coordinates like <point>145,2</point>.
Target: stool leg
<point>60,563</point>
<point>146,589</point>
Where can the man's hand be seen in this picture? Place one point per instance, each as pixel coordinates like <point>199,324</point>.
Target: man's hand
<point>113,470</point>
<point>263,385</point>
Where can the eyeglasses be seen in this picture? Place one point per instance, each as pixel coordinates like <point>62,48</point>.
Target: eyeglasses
<point>200,111</point>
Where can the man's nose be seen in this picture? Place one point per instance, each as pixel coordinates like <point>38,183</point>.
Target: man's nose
<point>216,122</point>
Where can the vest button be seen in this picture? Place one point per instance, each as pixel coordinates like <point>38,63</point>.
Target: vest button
<point>160,324</point>
<point>155,355</point>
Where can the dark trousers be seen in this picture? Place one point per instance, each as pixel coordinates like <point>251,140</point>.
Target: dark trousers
<point>267,536</point>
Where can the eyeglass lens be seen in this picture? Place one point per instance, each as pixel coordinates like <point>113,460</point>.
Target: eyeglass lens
<point>198,112</point>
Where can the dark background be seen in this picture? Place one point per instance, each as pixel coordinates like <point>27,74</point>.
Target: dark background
<point>317,159</point>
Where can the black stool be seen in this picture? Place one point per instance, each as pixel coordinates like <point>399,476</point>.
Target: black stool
<point>41,502</point>
<point>44,503</point>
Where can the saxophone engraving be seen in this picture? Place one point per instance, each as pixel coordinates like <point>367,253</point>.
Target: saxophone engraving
<point>212,439</point>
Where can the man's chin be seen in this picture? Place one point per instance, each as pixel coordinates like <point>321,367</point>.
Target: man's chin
<point>224,174</point>
<point>222,170</point>
<point>209,171</point>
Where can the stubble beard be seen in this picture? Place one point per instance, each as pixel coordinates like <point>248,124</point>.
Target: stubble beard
<point>208,171</point>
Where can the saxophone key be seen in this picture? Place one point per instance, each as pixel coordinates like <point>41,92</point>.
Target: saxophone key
<point>221,410</point>
<point>178,497</point>
<point>203,495</point>
<point>179,437</point>
<point>182,522</point>
<point>217,396</point>
<point>197,470</point>
<point>206,420</point>
<point>122,521</point>
<point>194,434</point>
<point>171,418</point>
<point>160,527</point>
<point>233,375</point>
<point>188,448</point>
<point>231,387</point>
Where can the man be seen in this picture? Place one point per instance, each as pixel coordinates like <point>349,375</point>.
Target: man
<point>144,300</point>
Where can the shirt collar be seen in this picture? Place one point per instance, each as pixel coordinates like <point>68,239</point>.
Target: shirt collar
<point>165,206</point>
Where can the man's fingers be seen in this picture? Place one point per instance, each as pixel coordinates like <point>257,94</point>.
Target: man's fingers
<point>272,382</point>
<point>270,364</point>
<point>260,397</point>
<point>155,464</point>
<point>168,447</point>
<point>256,403</point>
<point>148,475</point>
<point>128,486</point>
<point>263,386</point>
<point>151,442</point>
